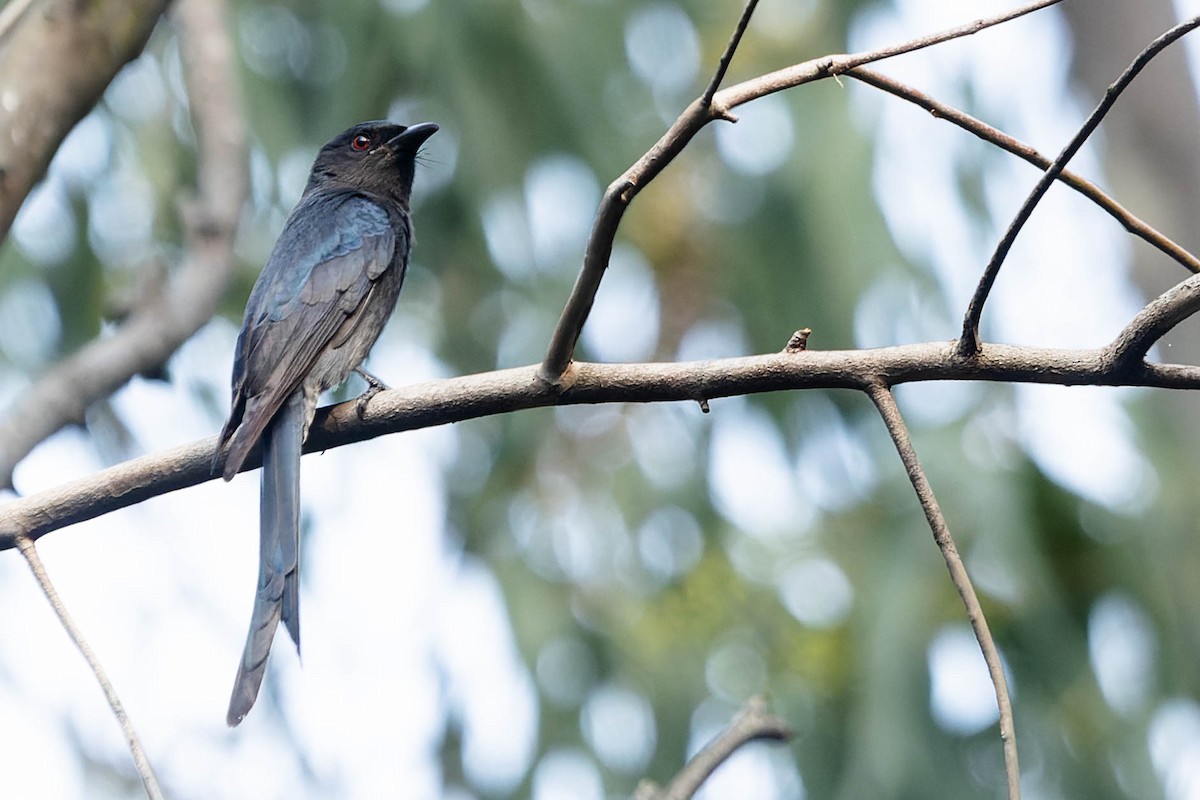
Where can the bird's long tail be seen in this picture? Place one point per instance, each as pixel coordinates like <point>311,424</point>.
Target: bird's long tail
<point>277,597</point>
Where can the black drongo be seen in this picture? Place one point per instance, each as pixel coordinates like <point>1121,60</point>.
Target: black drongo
<point>314,313</point>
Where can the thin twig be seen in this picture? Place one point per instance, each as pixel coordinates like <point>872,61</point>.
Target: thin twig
<point>828,66</point>
<point>1128,220</point>
<point>700,112</point>
<point>882,396</point>
<point>1153,322</point>
<point>617,197</point>
<point>145,771</point>
<point>727,56</point>
<point>752,723</point>
<point>968,343</point>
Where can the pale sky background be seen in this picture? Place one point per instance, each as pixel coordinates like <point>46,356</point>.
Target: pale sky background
<point>401,629</point>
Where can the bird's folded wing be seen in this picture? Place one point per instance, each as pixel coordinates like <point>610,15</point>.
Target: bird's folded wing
<point>332,250</point>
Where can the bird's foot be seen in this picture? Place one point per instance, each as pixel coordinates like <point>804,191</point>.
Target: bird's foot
<point>374,387</point>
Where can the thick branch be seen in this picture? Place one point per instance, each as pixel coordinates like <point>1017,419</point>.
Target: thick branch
<point>968,344</point>
<point>1128,220</point>
<point>56,61</point>
<point>753,723</point>
<point>155,329</point>
<point>458,399</point>
<point>882,396</point>
<point>620,193</point>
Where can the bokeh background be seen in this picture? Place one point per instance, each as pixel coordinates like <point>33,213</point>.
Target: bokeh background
<point>557,603</point>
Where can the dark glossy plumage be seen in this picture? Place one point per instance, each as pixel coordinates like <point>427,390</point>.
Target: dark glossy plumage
<point>318,306</point>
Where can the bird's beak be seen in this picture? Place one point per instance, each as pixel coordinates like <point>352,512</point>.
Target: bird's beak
<point>412,138</point>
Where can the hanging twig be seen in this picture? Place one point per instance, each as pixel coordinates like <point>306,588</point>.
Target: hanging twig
<point>881,395</point>
<point>145,771</point>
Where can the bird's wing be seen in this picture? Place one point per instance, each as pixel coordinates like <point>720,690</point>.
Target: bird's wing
<point>331,252</point>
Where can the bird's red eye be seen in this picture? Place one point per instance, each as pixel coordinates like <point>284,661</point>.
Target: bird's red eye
<point>360,142</point>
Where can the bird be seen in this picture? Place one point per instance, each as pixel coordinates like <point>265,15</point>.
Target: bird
<point>316,309</point>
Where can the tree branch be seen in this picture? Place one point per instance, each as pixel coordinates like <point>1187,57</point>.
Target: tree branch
<point>968,343</point>
<point>1153,322</point>
<point>882,396</point>
<point>58,57</point>
<point>458,399</point>
<point>704,109</point>
<point>752,723</point>
<point>148,337</point>
<point>145,771</point>
<point>1128,220</point>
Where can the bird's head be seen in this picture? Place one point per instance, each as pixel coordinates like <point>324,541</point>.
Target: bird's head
<point>377,157</point>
